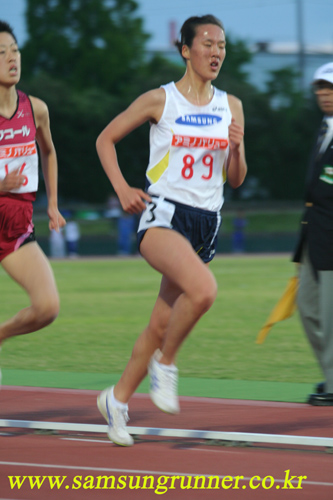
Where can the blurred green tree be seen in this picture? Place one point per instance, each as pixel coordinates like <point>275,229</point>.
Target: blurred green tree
<point>76,120</point>
<point>286,133</point>
<point>88,43</point>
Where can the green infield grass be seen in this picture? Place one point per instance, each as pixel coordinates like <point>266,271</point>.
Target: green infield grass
<point>106,303</point>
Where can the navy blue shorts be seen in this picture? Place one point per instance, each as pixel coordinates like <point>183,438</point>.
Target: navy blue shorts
<point>199,227</point>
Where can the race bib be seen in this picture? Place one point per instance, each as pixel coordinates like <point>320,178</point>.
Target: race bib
<point>24,158</point>
<point>158,213</point>
<point>195,161</point>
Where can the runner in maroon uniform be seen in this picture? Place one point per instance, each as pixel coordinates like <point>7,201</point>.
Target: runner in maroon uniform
<point>23,122</point>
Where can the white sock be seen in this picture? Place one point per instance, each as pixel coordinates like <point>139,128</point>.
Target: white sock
<point>171,367</point>
<point>118,404</point>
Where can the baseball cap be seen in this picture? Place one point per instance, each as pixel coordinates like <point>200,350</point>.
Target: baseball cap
<point>325,72</point>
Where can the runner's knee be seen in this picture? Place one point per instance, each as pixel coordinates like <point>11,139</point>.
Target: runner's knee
<point>205,295</point>
<point>156,330</point>
<point>48,311</point>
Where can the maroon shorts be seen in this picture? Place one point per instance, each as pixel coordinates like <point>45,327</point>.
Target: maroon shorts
<point>16,227</point>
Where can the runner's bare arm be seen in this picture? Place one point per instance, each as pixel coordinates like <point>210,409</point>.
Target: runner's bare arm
<point>147,107</point>
<point>48,160</point>
<point>237,167</point>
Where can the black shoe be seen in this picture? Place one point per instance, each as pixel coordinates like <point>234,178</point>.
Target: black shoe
<point>320,388</point>
<point>324,399</point>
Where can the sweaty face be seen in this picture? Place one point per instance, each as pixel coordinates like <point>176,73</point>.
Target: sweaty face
<point>207,52</point>
<point>10,60</point>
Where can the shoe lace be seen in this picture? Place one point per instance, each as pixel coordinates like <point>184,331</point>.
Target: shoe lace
<point>121,418</point>
<point>173,379</point>
<point>170,382</point>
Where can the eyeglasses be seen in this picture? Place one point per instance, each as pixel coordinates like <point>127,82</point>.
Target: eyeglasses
<point>322,85</point>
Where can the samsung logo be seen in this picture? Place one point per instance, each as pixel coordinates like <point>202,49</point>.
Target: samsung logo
<point>198,120</point>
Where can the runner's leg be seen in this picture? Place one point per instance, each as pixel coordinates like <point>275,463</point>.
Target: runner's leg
<point>171,254</point>
<point>150,339</point>
<point>188,289</point>
<point>30,268</point>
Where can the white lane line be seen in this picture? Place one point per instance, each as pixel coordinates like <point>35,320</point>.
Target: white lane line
<point>251,437</point>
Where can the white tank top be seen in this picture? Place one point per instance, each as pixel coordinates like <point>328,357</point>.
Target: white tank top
<point>189,148</point>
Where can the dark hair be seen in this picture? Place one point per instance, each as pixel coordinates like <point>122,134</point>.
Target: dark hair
<point>6,28</point>
<point>189,29</point>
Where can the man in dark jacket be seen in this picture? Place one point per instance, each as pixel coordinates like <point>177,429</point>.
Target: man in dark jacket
<point>315,246</point>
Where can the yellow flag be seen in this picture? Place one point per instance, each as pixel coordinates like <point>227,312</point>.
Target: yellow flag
<point>283,309</point>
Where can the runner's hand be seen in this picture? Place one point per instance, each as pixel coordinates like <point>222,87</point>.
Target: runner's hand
<point>56,219</point>
<point>13,180</point>
<point>132,200</point>
<point>236,134</point>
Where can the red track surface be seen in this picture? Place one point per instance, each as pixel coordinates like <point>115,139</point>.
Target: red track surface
<point>24,453</point>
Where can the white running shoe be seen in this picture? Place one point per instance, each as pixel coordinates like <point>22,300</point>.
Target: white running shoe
<point>116,419</point>
<point>163,384</point>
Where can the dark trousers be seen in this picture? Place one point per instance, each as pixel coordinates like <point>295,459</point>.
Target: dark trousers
<point>315,303</point>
